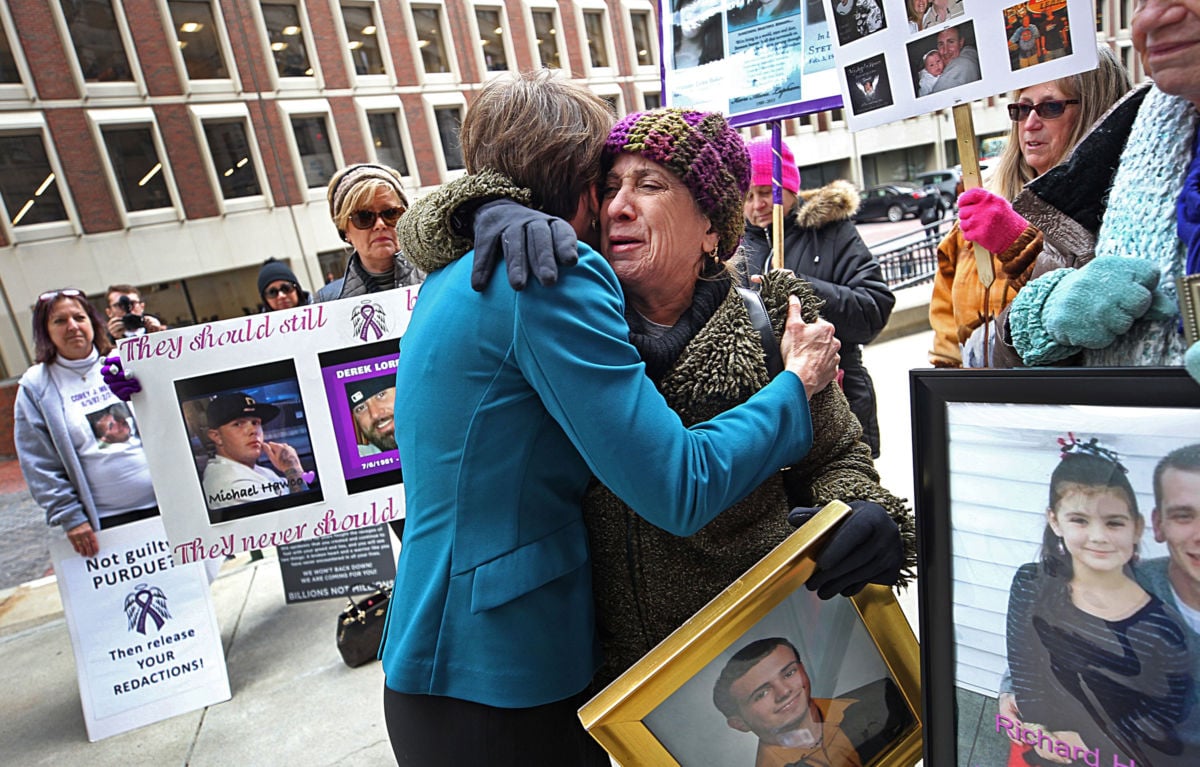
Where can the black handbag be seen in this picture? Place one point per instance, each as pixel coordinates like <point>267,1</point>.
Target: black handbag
<point>360,627</point>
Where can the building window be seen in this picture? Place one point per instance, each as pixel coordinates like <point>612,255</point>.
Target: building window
<point>287,39</point>
<point>546,33</point>
<point>491,39</point>
<point>231,158</point>
<point>428,23</point>
<point>449,119</point>
<point>316,152</point>
<point>97,41</point>
<point>643,42</point>
<point>593,27</point>
<point>385,134</point>
<point>196,31</point>
<point>8,65</point>
<point>27,183</point>
<point>138,170</point>
<point>652,100</point>
<point>362,35</point>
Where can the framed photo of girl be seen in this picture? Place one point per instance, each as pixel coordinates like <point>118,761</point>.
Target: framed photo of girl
<point>768,674</point>
<point>1058,521</point>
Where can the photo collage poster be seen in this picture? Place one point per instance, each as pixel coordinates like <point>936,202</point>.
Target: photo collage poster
<point>751,60</point>
<point>902,58</point>
<point>273,428</point>
<point>1013,622</point>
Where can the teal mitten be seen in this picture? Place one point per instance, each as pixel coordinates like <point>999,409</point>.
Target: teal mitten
<point>1092,306</point>
<point>1191,360</point>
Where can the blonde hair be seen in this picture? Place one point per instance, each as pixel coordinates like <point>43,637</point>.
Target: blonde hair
<point>1097,90</point>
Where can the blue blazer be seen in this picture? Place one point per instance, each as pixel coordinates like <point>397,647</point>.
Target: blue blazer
<point>516,399</point>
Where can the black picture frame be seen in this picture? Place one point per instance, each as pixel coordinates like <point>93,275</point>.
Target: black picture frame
<point>1096,395</point>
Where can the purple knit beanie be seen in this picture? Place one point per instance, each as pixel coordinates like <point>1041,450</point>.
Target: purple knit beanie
<point>761,162</point>
<point>703,151</point>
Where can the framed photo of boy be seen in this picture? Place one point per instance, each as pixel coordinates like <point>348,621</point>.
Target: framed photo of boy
<point>1058,515</point>
<point>769,674</point>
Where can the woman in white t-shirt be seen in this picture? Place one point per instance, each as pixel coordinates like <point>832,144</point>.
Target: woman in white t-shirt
<point>78,445</point>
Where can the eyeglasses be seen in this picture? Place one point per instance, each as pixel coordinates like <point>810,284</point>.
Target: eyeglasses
<point>286,289</point>
<point>365,219</point>
<point>132,302</point>
<point>1047,110</point>
<point>51,295</point>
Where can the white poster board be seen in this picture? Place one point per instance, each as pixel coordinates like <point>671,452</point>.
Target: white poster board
<point>312,376</point>
<point>145,635</point>
<point>890,67</point>
<point>751,60</point>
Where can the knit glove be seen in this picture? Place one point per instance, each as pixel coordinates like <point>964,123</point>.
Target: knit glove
<point>866,548</point>
<point>531,241</point>
<point>1067,310</point>
<point>1191,360</point>
<point>989,220</point>
<point>119,381</point>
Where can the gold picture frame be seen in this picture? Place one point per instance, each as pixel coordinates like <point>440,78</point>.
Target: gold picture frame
<point>1188,288</point>
<point>661,713</point>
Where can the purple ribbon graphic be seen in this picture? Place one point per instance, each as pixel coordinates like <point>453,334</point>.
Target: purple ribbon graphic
<point>369,322</point>
<point>145,600</point>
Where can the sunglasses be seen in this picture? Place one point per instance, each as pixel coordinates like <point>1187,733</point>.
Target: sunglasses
<point>286,290</point>
<point>365,219</point>
<point>52,295</point>
<point>1047,110</point>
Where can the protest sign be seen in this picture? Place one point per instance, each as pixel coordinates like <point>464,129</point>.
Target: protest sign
<point>898,59</point>
<point>273,428</point>
<point>752,60</point>
<point>355,562</point>
<point>147,646</point>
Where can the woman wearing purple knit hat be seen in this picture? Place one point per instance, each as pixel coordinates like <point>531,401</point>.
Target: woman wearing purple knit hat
<point>517,399</point>
<point>671,221</point>
<point>821,244</point>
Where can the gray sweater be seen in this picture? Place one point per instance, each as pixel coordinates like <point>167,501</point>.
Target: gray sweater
<point>52,469</point>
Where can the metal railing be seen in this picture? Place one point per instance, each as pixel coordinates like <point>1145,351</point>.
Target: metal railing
<point>911,259</point>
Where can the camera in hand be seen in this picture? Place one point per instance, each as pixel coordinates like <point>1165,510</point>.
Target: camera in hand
<point>130,320</point>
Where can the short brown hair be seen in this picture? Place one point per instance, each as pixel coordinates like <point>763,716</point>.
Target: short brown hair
<point>122,288</point>
<point>542,131</point>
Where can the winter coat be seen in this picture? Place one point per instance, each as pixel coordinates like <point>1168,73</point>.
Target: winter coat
<point>821,244</point>
<point>356,282</point>
<point>648,582</point>
<point>1102,185</point>
<point>956,307</point>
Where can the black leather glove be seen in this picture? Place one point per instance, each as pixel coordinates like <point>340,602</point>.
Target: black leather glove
<point>528,239</point>
<point>866,548</point>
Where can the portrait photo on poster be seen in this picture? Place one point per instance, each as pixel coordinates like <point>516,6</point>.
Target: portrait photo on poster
<point>696,33</point>
<point>870,86</point>
<point>743,13</point>
<point>805,682</point>
<point>250,440</point>
<point>360,391</point>
<point>1036,33</point>
<point>856,19</point>
<point>943,60</point>
<point>1065,629</point>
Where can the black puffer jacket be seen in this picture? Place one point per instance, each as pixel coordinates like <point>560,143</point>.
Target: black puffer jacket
<point>822,246</point>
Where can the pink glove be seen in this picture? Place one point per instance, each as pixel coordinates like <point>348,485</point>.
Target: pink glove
<point>120,381</point>
<point>989,220</point>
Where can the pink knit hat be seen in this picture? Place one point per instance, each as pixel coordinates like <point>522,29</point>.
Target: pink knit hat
<point>760,164</point>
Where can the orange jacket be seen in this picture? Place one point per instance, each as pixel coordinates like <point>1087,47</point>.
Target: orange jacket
<point>957,305</point>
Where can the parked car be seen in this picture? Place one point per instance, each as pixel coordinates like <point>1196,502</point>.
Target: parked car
<point>946,180</point>
<point>896,201</point>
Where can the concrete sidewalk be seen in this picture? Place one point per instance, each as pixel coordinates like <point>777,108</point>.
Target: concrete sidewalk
<point>294,701</point>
